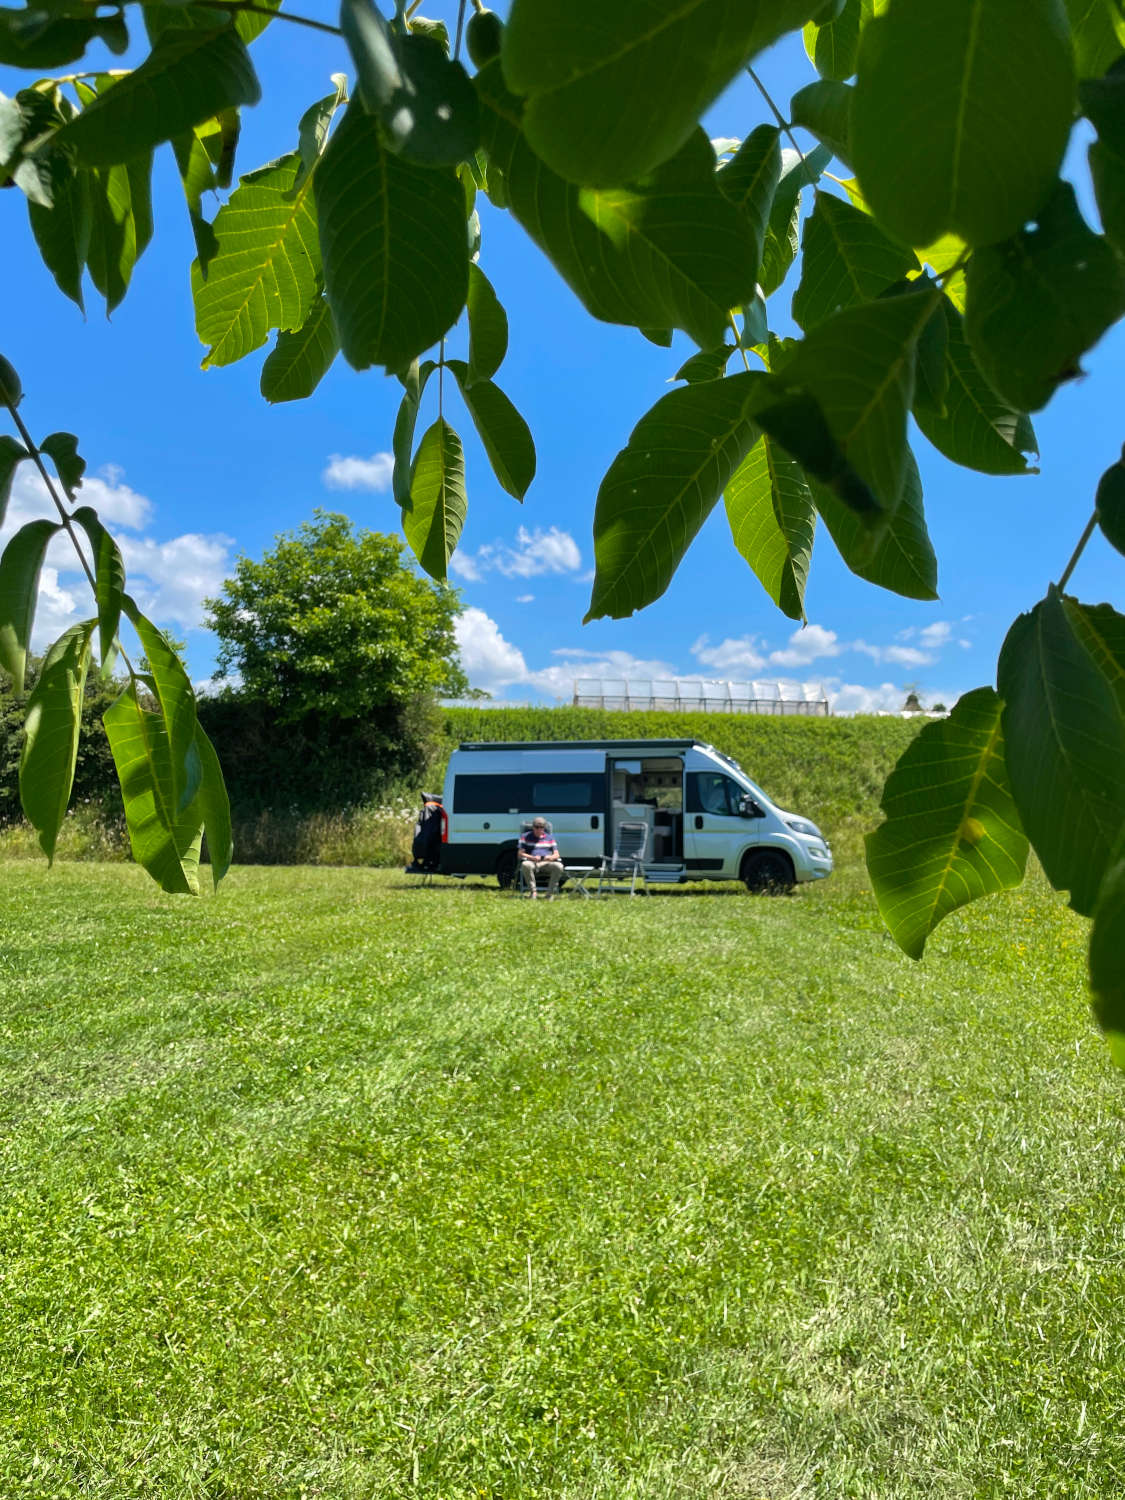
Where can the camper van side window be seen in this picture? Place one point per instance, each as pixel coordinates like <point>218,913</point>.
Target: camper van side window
<point>567,793</point>
<point>489,794</point>
<point>710,791</point>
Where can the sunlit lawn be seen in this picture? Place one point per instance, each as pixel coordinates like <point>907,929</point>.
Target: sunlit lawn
<point>335,1187</point>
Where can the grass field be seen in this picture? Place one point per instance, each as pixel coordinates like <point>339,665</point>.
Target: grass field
<point>332,1187</point>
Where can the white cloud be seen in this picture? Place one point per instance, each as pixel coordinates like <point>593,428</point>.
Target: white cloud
<point>489,661</point>
<point>854,698</point>
<point>903,656</point>
<point>934,636</point>
<point>525,598</point>
<point>735,655</point>
<point>353,473</point>
<point>806,645</point>
<point>534,553</point>
<point>169,579</point>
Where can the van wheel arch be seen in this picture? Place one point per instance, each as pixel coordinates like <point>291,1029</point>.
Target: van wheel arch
<point>767,872</point>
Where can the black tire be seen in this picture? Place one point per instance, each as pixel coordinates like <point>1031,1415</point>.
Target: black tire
<point>768,872</point>
<point>506,870</point>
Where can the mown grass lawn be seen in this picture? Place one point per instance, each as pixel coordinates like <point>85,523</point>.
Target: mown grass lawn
<point>335,1187</point>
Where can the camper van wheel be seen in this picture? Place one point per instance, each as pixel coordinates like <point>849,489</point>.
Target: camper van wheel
<point>768,872</point>
<point>506,870</point>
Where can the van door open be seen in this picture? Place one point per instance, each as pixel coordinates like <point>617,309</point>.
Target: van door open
<point>649,789</point>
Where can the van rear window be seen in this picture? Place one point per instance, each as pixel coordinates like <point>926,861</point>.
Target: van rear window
<point>545,793</point>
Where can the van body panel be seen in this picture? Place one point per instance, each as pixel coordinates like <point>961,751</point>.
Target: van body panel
<point>695,800</point>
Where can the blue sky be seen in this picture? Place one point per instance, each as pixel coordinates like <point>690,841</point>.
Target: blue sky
<point>191,467</point>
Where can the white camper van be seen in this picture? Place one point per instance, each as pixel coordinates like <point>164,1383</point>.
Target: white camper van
<point>706,819</point>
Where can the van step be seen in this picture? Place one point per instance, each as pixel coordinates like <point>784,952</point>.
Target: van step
<point>664,874</point>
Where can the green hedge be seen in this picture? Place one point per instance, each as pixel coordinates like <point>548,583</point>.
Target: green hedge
<point>830,770</point>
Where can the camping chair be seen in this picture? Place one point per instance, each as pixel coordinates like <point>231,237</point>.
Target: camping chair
<point>627,862</point>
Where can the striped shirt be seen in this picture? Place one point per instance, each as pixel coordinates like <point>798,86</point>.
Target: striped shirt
<point>541,844</point>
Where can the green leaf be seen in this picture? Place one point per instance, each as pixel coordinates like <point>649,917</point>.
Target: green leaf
<point>504,434</point>
<point>109,581</point>
<point>173,691</point>
<point>212,807</point>
<point>197,175</point>
<point>1097,30</point>
<point>832,47</point>
<point>12,454</point>
<point>266,270</point>
<point>1107,948</point>
<point>62,233</point>
<point>847,259</point>
<point>299,361</point>
<point>1066,747</point>
<point>112,251</point>
<point>1074,282</point>
<point>899,556</point>
<point>164,843</point>
<point>1101,630</point>
<point>312,132</point>
<point>1109,503</point>
<point>750,180</point>
<point>772,520</point>
<point>977,428</point>
<point>663,485</point>
<point>824,109</point>
<point>20,567</point>
<point>952,833</point>
<point>51,731</point>
<point>405,422</point>
<point>1103,103</point>
<point>779,250</point>
<point>392,236</point>
<point>488,327</point>
<point>29,39</point>
<point>423,100</point>
<point>188,77</point>
<point>672,252</point>
<point>708,364</point>
<point>62,449</point>
<point>615,90</point>
<point>435,516</point>
<point>27,153</point>
<point>971,138</point>
<point>858,366</point>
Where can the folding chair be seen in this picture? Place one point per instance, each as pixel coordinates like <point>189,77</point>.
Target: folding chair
<point>627,862</point>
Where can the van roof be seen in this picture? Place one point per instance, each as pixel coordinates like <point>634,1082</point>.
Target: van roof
<point>584,745</point>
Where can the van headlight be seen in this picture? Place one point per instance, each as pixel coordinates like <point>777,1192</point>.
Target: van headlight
<point>803,826</point>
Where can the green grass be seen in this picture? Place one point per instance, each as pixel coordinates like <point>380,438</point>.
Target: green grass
<point>335,1187</point>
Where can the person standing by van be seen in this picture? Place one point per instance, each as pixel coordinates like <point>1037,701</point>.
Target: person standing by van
<point>538,851</point>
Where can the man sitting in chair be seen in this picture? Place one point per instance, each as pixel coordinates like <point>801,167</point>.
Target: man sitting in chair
<point>538,851</point>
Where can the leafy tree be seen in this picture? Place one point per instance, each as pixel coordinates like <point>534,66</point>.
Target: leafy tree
<point>335,622</point>
<point>947,274</point>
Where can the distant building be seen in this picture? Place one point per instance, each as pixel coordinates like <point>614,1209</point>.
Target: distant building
<point>698,695</point>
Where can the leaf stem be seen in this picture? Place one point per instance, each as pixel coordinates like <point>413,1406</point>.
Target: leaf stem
<point>778,116</point>
<point>64,515</point>
<point>441,381</point>
<point>460,30</point>
<point>268,10</point>
<point>1078,551</point>
<point>738,339</point>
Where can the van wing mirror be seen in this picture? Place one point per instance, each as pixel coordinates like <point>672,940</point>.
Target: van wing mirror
<point>751,807</point>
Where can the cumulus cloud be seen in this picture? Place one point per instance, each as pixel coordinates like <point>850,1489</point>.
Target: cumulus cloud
<point>933,637</point>
<point>489,661</point>
<point>903,656</point>
<point>348,472</point>
<point>534,553</point>
<point>169,579</point>
<point>806,645</point>
<point>738,655</point>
